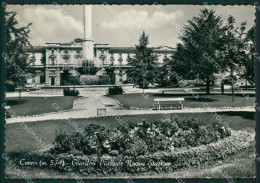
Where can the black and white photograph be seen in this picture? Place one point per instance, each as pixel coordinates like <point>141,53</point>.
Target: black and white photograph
<point>129,91</point>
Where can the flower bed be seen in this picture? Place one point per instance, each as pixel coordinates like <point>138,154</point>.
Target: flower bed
<point>137,139</point>
<point>163,161</point>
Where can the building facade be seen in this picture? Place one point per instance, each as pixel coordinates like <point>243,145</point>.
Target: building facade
<point>49,62</point>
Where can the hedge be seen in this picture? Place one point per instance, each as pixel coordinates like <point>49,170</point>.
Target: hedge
<point>69,92</point>
<point>159,161</point>
<point>115,90</point>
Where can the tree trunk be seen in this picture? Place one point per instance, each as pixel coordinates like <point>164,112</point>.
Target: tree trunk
<point>20,93</point>
<point>246,83</point>
<point>232,85</point>
<point>207,86</point>
<point>232,90</point>
<point>222,87</point>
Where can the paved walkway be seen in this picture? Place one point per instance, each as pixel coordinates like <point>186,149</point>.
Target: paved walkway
<point>86,107</point>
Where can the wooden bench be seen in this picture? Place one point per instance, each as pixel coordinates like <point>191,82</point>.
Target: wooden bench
<point>169,102</point>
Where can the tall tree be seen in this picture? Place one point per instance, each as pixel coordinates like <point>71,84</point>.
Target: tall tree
<point>16,61</point>
<point>248,61</point>
<point>198,54</point>
<point>143,71</point>
<point>234,52</point>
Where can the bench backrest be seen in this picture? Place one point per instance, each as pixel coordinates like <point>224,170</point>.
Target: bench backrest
<point>168,99</point>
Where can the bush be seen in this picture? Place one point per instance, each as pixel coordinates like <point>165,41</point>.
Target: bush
<point>62,143</point>
<point>115,90</point>
<point>10,87</point>
<point>7,113</point>
<point>94,80</point>
<point>69,92</point>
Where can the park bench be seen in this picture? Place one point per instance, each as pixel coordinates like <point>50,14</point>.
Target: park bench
<point>169,102</point>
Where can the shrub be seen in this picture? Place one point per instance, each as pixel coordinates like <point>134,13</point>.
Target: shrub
<point>62,143</point>
<point>94,80</point>
<point>69,92</point>
<point>115,90</point>
<point>10,87</point>
<point>7,113</point>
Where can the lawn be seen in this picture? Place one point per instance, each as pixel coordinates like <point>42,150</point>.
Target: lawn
<point>239,165</point>
<point>25,142</point>
<point>146,100</point>
<point>27,106</point>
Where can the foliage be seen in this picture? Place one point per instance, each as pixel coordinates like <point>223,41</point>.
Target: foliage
<point>69,92</point>
<point>110,73</point>
<point>115,90</point>
<point>93,80</point>
<point>165,77</point>
<point>230,79</point>
<point>10,87</point>
<point>91,70</point>
<point>143,71</point>
<point>248,60</point>
<point>198,54</point>
<point>141,138</point>
<point>234,51</point>
<point>16,60</point>
<point>69,79</point>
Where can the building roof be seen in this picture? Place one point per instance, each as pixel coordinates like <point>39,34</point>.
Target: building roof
<point>160,49</point>
<point>34,48</point>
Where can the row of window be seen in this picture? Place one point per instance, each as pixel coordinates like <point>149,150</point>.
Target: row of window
<point>102,56</point>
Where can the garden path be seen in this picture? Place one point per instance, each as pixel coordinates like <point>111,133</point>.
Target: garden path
<point>86,107</point>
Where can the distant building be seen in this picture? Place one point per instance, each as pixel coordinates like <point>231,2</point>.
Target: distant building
<point>50,61</point>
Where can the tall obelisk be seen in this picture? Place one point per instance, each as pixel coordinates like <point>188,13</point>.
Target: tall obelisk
<point>88,44</point>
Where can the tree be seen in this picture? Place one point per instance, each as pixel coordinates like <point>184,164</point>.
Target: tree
<point>165,77</point>
<point>234,49</point>
<point>69,78</point>
<point>248,61</point>
<point>142,71</point>
<point>198,54</point>
<point>163,74</point>
<point>110,72</point>
<point>16,61</point>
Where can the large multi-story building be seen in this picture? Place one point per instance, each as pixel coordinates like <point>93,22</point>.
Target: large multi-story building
<point>49,62</point>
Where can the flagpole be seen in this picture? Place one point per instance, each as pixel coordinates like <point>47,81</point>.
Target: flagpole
<point>84,26</point>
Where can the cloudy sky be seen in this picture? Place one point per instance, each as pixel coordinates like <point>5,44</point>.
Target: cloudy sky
<point>118,25</point>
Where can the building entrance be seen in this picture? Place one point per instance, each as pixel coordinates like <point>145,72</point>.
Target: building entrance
<point>52,81</point>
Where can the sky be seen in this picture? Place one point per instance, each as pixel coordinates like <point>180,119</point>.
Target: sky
<point>118,25</point>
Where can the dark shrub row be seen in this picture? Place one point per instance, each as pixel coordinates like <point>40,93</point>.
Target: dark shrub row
<point>69,92</point>
<point>115,90</point>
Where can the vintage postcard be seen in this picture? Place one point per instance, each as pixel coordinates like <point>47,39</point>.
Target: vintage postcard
<point>129,91</point>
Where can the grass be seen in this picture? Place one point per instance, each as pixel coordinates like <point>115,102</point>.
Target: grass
<point>25,142</point>
<point>147,100</point>
<point>27,106</point>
